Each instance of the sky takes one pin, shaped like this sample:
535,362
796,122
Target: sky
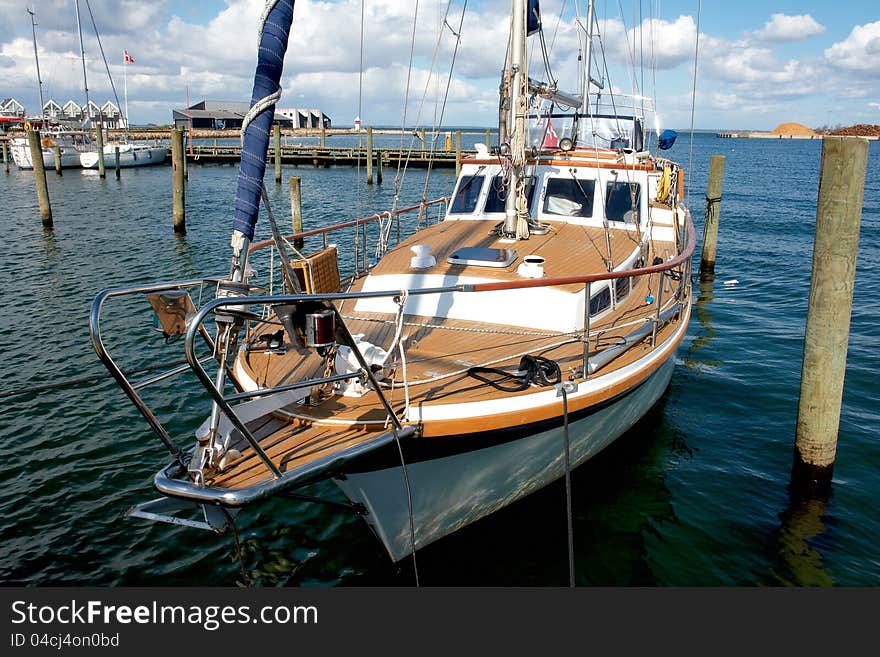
759,63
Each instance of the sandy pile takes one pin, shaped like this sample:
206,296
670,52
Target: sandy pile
792,129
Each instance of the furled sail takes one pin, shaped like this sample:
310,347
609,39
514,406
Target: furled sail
274,31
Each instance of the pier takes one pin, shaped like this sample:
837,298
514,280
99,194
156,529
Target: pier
325,157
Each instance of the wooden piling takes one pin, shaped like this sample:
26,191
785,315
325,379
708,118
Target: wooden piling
835,249
296,214
710,224
457,153
277,131
5,158
447,145
423,136
40,178
56,152
177,186
185,138
488,138
99,138
116,161
323,135
369,155
379,166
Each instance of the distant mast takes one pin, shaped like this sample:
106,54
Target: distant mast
37,59
82,49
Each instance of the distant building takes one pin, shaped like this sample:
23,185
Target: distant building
11,108
228,115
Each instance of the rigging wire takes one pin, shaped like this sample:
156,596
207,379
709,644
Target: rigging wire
106,66
693,103
446,92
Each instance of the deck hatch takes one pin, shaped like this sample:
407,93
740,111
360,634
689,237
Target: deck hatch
482,256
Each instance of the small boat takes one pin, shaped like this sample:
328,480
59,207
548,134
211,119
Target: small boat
466,362
131,154
71,142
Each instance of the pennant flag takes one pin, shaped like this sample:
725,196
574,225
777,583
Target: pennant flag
128,58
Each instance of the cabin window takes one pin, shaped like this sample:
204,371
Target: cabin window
569,197
465,200
600,301
621,288
622,201
497,197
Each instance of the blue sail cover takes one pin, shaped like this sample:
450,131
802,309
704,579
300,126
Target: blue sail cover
267,80
533,18
667,139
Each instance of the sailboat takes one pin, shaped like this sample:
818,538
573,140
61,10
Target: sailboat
131,153
457,370
69,140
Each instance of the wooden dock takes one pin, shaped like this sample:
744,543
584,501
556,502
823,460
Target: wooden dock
326,157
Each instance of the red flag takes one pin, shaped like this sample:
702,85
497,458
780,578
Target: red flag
551,139
128,58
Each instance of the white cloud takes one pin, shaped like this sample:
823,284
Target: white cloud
782,27
859,51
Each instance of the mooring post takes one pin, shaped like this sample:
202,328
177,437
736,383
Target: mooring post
99,137
370,155
835,250
423,136
178,189
488,138
447,143
323,135
116,161
296,212
457,153
183,148
5,158
56,153
277,131
40,178
379,166
710,223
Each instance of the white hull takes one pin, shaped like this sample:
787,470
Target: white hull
130,155
21,155
449,493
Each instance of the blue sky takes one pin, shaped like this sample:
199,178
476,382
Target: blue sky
760,64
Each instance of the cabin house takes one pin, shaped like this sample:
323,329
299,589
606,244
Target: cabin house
53,110
10,107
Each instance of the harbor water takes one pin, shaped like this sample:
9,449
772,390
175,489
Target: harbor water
694,495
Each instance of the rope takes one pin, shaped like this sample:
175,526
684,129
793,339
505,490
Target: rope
87,379
238,550
412,527
568,512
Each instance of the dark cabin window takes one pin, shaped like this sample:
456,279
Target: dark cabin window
466,195
497,197
620,198
569,197
600,301
621,288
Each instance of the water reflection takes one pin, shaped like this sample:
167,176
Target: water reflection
802,527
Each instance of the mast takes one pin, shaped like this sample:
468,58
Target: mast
587,55
513,219
37,58
83,51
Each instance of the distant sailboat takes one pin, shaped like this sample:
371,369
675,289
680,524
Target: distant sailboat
131,153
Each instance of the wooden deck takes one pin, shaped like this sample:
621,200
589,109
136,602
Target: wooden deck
439,352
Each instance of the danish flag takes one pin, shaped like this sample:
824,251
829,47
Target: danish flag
128,58
551,139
